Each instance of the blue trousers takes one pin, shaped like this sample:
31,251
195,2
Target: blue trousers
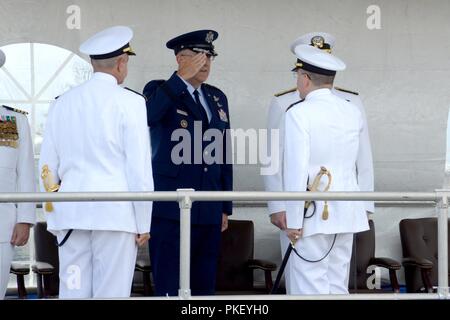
165,257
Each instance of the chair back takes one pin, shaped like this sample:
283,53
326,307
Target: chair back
237,245
363,251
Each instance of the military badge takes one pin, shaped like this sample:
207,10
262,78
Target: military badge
184,124
318,42
216,99
9,134
183,113
223,116
209,37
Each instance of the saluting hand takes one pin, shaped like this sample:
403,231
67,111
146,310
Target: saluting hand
141,239
189,66
20,234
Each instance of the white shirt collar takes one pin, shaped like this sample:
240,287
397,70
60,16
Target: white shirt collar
190,88
318,92
104,77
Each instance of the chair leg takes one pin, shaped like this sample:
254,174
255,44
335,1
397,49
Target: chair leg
394,281
21,286
426,280
46,285
147,284
268,279
40,288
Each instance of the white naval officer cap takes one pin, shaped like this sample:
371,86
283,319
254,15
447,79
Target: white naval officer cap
109,43
321,40
317,61
2,58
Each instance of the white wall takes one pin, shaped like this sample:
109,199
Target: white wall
401,70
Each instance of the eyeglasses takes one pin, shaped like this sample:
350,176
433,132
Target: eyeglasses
208,56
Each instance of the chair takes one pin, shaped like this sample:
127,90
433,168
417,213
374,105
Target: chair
143,266
236,263
20,270
363,256
46,266
420,253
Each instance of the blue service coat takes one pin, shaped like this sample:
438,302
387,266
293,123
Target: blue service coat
170,107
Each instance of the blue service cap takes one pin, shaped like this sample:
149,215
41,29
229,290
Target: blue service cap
197,41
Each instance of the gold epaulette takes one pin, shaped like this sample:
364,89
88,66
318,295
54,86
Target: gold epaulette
348,91
279,94
16,110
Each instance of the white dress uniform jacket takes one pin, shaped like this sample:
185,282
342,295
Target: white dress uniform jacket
97,140
16,175
275,121
324,130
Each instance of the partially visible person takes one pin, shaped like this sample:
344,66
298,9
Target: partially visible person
16,175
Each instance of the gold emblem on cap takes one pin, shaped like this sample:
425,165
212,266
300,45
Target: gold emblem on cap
184,124
318,41
209,37
128,50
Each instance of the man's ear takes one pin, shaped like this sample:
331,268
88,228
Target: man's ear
121,62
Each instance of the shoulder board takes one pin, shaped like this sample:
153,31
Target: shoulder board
279,94
140,94
348,91
294,104
16,110
208,86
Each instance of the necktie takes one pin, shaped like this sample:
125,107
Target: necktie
200,106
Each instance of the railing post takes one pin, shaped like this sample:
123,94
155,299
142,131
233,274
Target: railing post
442,208
185,242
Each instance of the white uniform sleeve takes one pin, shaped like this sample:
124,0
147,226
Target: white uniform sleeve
138,161
364,162
49,156
273,177
296,164
25,172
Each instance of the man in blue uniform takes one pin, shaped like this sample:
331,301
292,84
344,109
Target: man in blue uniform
185,106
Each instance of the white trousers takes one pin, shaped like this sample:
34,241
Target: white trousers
329,276
96,264
6,255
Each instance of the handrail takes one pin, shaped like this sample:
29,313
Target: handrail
185,198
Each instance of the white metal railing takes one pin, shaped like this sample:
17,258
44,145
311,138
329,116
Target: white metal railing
185,198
